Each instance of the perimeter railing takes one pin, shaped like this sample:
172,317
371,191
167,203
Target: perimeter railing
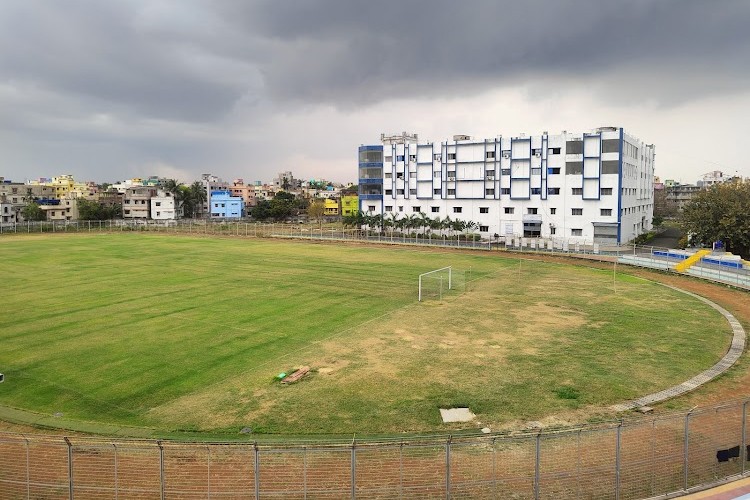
645,457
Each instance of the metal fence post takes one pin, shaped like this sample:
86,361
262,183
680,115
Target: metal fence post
117,479
28,470
743,447
70,467
536,465
617,461
161,470
354,468
448,468
256,468
687,450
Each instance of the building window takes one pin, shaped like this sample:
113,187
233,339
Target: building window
553,170
416,209
509,210
436,191
504,190
536,152
532,211
484,210
536,171
552,211
577,211
388,175
389,192
457,210
413,191
552,230
158,214
399,157
451,192
505,171
389,159
553,151
389,208
490,155
489,192
400,208
436,157
371,208
553,190
451,174
605,191
484,229
605,212
436,175
576,232
578,191
435,210
399,191
451,156
490,174
399,175
536,190
413,175
412,157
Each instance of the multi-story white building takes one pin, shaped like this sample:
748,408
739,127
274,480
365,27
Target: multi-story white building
163,206
595,186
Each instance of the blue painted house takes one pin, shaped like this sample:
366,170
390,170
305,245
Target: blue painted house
225,206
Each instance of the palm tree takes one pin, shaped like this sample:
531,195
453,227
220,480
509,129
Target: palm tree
424,221
447,223
198,197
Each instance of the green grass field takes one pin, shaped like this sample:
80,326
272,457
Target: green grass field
185,333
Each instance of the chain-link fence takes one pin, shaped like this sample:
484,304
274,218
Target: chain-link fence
646,457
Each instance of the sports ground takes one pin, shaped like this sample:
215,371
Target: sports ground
180,333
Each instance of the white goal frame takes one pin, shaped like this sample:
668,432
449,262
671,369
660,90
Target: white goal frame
450,279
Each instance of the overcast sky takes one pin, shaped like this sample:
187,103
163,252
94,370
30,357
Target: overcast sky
109,90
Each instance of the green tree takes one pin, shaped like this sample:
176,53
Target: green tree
316,209
89,210
720,213
33,212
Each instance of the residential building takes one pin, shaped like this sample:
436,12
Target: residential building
136,202
710,178
349,204
285,181
65,209
246,192
9,213
211,183
226,206
680,194
330,206
163,206
595,186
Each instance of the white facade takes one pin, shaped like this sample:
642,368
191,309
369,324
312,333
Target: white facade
595,186
163,206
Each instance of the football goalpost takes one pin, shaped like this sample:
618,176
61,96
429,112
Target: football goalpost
437,279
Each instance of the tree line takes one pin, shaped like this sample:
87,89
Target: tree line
419,222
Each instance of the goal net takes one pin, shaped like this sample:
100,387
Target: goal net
441,282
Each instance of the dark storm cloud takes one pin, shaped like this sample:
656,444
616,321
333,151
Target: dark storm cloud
109,54
362,51
195,82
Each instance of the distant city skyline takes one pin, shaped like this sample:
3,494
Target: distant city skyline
108,91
